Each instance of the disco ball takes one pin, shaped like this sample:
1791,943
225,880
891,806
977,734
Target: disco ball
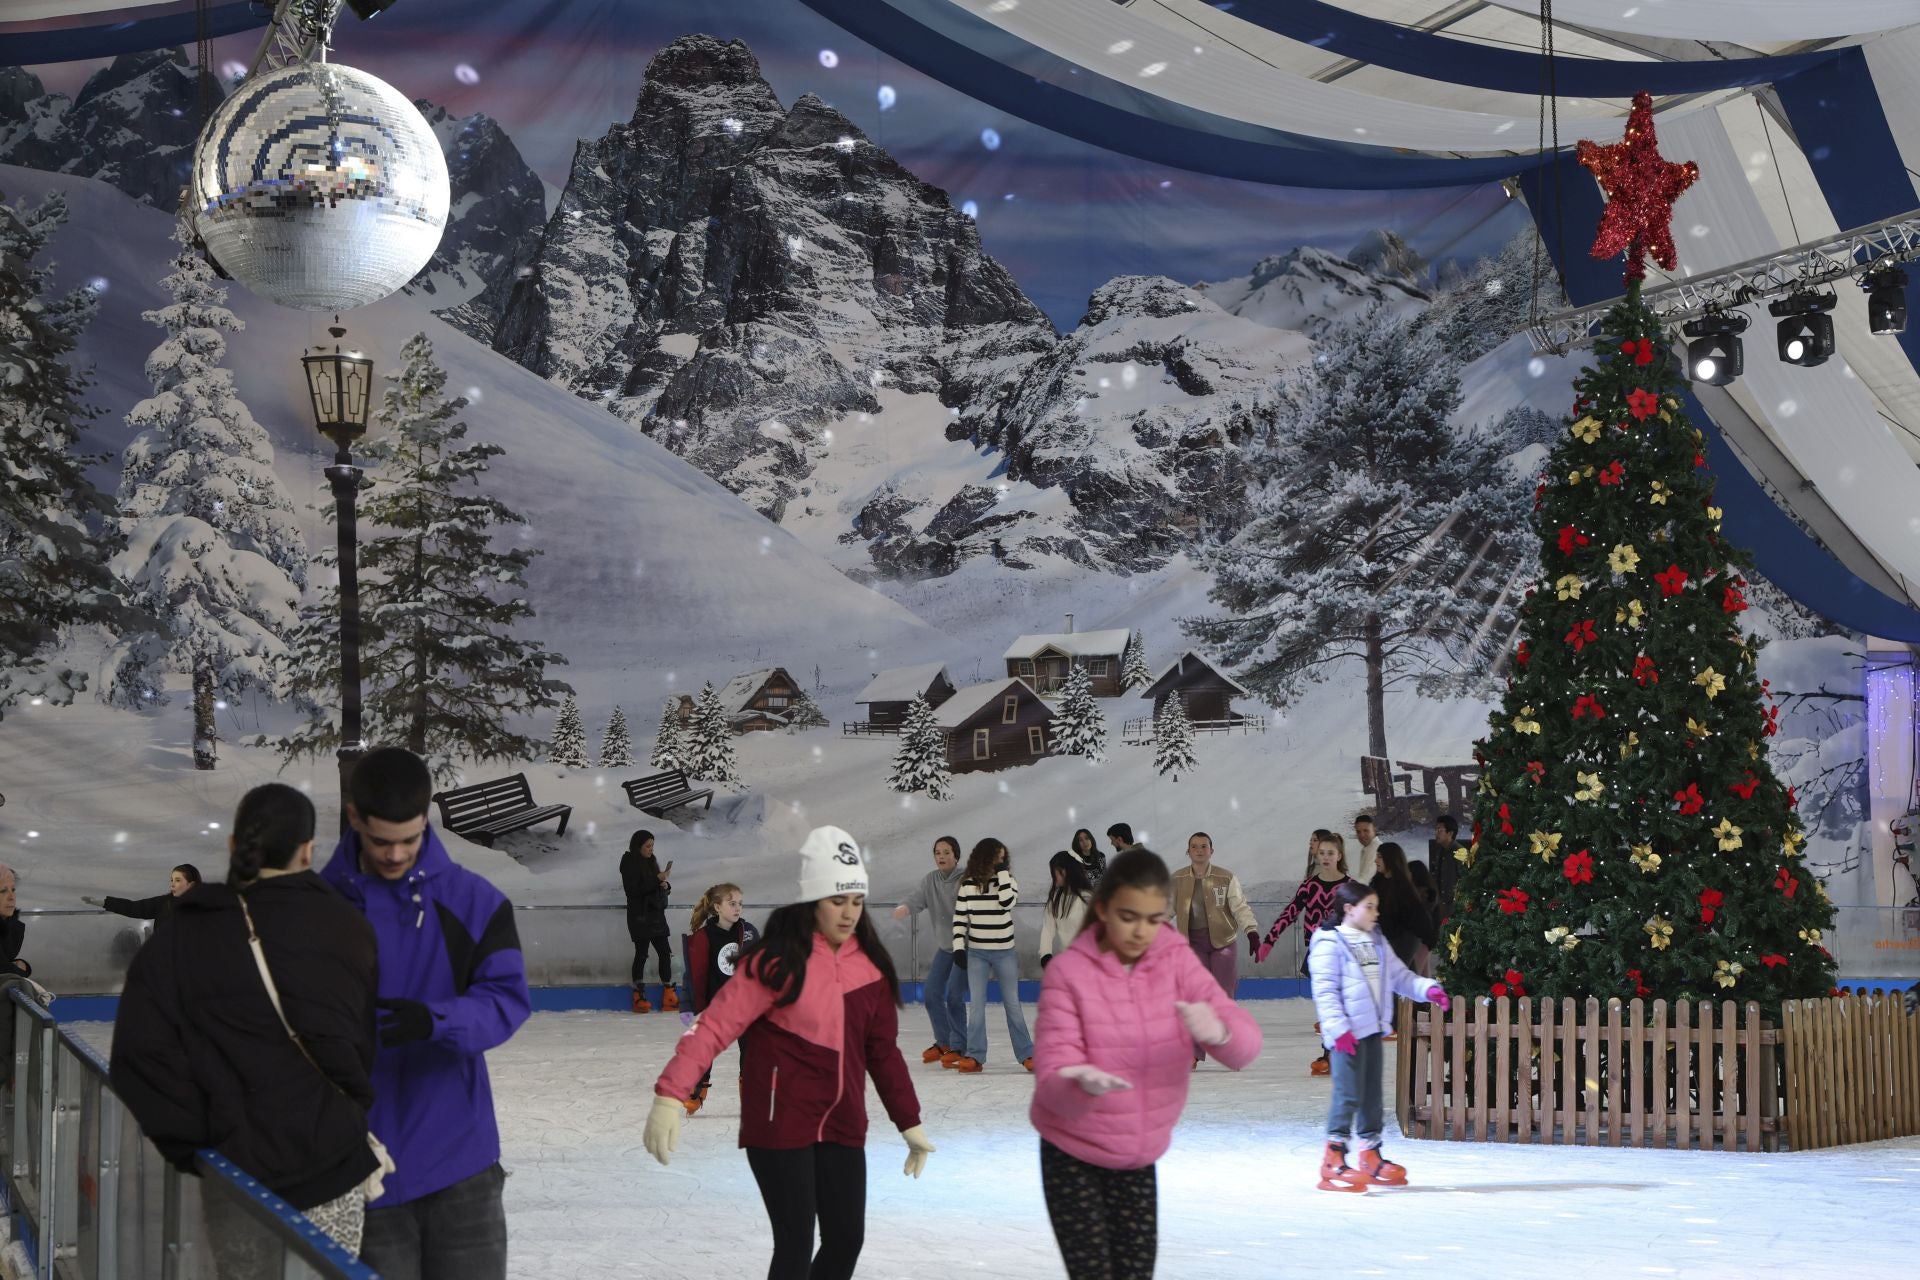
319,187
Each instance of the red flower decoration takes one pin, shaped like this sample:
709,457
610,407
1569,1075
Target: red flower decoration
1506,821
1581,635
1578,868
1539,491
1514,901
1786,882
1588,705
1513,986
1733,601
1521,655
1571,538
1793,799
1612,473
1710,902
1691,801
1672,580
1536,772
1699,460
1772,725
1773,961
1643,404
1644,672
1745,789
1640,988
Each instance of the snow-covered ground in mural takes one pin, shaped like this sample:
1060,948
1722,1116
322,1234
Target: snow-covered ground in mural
654,579
1236,1193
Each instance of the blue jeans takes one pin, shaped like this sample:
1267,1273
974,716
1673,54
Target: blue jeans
1356,1094
1004,967
945,995
457,1233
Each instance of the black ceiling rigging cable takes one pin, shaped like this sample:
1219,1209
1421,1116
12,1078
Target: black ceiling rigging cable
1549,132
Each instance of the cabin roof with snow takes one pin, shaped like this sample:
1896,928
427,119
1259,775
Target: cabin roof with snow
1186,665
1075,644
739,691
971,701
903,684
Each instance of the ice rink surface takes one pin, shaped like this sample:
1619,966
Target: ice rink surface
1237,1196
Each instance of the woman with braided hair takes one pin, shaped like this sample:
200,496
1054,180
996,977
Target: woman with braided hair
202,1050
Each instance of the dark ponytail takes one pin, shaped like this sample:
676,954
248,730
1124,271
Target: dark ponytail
269,827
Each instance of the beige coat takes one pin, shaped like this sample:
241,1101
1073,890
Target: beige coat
1226,906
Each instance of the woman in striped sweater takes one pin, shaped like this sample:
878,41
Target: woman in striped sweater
983,929
1312,902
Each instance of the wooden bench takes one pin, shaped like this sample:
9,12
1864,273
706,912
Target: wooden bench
1392,809
1459,780
658,792
487,810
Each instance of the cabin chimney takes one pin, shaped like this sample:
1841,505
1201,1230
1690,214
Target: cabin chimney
1069,624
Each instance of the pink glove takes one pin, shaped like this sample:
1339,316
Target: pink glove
1260,956
1203,1024
1346,1043
1093,1079
1437,996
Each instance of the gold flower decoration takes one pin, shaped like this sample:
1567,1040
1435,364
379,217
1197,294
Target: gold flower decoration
1659,933
1623,559
1727,972
1525,723
1590,786
1633,740
1453,946
1569,586
1632,614
1659,494
1697,729
1712,681
1727,834
1644,858
1586,430
1545,845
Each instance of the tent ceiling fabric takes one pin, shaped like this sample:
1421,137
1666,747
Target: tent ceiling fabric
1209,74
1785,20
32,10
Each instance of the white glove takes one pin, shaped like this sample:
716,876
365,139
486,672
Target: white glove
1092,1079
1203,1024
919,1147
662,1137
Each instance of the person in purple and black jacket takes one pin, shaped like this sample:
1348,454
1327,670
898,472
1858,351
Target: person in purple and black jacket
453,985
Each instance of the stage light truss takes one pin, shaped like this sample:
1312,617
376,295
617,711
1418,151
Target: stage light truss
290,36
1850,255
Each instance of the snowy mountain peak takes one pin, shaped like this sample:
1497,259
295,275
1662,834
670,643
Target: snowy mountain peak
1306,289
132,124
497,207
1142,296
1386,255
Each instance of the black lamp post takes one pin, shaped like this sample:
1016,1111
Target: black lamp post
340,385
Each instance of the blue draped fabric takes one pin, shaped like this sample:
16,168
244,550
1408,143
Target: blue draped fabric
1438,57
71,44
1781,549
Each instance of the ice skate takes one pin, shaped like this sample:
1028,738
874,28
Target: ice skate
950,1057
967,1066
692,1104
1375,1167
1321,1067
1335,1174
640,1004
934,1053
1028,1064
669,1000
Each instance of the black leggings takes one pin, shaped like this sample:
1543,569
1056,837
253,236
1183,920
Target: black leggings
662,950
1106,1221
825,1181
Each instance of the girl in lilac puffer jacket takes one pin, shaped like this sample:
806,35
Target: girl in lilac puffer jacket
1120,1011
1356,976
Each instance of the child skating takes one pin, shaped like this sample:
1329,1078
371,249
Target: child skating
1355,978
1120,1011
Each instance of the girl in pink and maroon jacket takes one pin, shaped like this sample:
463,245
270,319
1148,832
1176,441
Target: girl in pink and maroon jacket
815,1009
1120,1011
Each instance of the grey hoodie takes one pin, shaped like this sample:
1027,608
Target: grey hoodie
935,896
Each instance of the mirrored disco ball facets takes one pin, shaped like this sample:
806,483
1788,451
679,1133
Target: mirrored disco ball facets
319,187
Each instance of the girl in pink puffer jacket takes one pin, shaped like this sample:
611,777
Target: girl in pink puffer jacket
1120,1010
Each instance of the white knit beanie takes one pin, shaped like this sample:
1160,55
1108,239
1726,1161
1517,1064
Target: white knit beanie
830,865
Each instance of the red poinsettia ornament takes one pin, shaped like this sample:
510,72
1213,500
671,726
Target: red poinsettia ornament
1745,787
1614,472
1578,868
1514,985
1711,901
1786,882
1588,705
1514,901
1644,672
1641,403
1570,538
1691,801
1672,580
1581,635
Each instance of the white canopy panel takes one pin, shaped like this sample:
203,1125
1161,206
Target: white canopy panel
1743,20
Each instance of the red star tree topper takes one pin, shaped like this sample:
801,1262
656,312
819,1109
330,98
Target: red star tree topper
1641,186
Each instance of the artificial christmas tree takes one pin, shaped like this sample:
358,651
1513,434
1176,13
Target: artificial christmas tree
921,762
709,748
616,745
1080,729
669,742
213,550
569,736
1631,838
1134,673
1173,741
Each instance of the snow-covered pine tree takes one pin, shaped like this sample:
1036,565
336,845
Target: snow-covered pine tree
445,659
213,551
616,745
710,742
1374,510
54,532
1173,740
569,736
669,742
1080,727
1134,672
804,712
1498,298
921,762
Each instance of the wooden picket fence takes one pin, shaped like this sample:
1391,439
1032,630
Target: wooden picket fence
1696,1074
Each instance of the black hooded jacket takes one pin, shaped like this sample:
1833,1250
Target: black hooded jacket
200,1057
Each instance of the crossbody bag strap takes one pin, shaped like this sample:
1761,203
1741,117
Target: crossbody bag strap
273,992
